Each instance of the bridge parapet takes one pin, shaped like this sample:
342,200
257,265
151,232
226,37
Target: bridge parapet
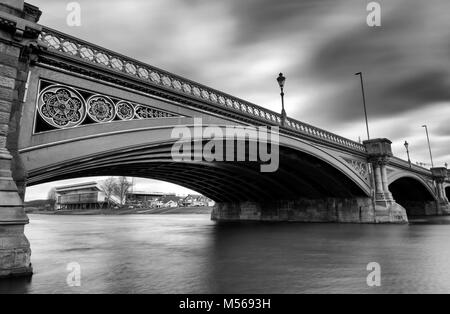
403,164
85,52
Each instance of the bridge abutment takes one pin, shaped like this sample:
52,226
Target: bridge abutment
18,31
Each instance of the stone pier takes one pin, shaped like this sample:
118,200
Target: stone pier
385,207
18,34
439,177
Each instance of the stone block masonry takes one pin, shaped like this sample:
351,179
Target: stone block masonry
344,210
15,249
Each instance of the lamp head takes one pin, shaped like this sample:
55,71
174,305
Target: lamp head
281,79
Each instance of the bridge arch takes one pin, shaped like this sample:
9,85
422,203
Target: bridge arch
414,194
306,170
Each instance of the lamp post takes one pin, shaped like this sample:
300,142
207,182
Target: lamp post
281,79
364,103
429,145
407,152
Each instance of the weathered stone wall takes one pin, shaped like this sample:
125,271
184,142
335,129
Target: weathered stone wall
14,247
16,36
18,171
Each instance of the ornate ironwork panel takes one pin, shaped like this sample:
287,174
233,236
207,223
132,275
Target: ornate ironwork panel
360,167
101,109
61,106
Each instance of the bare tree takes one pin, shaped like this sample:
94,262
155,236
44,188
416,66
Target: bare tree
52,198
122,188
109,187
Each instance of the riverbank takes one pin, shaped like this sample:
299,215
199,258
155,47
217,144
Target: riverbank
136,211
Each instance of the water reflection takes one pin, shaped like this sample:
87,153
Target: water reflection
191,254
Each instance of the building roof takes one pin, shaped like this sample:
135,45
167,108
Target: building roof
86,185
171,201
169,197
196,197
79,186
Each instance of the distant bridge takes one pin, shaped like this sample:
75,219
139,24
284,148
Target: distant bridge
72,109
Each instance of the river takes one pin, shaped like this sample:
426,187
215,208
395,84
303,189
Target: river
191,254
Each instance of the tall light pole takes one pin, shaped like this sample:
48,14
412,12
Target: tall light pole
364,103
132,188
429,145
281,79
407,152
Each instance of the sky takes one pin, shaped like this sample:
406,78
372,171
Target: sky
239,47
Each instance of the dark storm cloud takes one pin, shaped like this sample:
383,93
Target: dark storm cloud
268,19
424,87
405,62
443,129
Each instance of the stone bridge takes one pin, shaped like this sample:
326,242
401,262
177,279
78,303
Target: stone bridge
70,109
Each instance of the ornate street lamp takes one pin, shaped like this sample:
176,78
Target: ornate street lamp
407,152
281,80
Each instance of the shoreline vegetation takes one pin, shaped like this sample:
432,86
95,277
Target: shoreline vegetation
116,212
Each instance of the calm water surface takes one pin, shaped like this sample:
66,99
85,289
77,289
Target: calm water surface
191,254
